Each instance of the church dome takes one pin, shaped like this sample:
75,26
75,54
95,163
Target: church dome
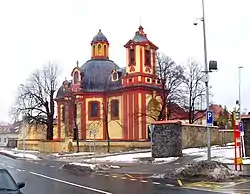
97,75
99,38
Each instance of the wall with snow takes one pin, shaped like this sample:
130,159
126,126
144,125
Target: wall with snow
170,137
167,141
246,124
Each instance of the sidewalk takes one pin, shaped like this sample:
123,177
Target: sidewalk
149,169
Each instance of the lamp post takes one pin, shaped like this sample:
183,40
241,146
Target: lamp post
206,78
239,103
239,76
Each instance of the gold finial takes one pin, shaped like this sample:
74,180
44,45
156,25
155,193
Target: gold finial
77,63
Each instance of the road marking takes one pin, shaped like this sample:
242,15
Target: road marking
144,181
124,178
114,176
129,175
9,166
36,162
52,166
155,183
133,179
19,170
70,183
2,164
106,174
169,185
234,184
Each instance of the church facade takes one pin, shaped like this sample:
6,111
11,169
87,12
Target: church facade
104,99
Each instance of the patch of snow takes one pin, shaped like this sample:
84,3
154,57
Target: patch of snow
20,155
220,154
115,167
91,166
72,154
27,151
131,158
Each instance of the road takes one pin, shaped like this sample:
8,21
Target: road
46,177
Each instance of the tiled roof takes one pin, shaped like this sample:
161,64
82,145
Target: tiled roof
10,128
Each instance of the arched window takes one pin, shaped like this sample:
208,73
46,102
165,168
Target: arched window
93,51
105,51
76,77
99,49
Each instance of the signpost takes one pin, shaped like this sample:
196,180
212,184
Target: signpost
151,128
94,132
209,123
241,129
210,118
237,141
23,135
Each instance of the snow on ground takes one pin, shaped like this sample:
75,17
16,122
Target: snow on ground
27,151
221,154
92,166
19,154
72,154
131,158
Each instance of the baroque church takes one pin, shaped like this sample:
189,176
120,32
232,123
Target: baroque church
108,99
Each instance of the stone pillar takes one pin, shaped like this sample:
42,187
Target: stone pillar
167,139
246,124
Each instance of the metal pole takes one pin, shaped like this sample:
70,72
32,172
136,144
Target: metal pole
23,134
241,136
94,150
206,81
239,68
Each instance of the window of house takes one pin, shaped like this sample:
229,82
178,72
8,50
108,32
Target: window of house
99,49
63,114
5,140
75,110
76,77
94,109
147,57
115,76
93,50
115,109
132,56
105,50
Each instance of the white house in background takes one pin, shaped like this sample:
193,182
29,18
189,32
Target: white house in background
9,134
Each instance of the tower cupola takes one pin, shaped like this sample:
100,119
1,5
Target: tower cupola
100,46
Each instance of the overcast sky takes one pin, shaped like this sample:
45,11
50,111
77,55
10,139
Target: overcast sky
35,31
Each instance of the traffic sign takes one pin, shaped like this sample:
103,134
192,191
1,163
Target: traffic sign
209,118
241,126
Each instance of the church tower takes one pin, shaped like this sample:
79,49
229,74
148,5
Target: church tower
140,60
100,46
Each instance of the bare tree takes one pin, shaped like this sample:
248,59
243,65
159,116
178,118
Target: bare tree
171,76
35,98
194,91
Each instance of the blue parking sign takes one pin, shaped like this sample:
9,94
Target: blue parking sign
241,128
209,118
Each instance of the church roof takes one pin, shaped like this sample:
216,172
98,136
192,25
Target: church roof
99,38
97,75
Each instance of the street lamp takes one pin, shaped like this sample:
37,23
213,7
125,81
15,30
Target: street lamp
239,76
212,66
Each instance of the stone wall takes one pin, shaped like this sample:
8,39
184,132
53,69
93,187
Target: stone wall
170,137
246,124
166,140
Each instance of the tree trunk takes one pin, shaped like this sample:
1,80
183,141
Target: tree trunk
49,135
107,130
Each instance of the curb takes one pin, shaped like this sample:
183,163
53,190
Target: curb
102,156
8,155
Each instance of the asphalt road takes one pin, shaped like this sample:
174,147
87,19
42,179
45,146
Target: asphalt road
46,177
